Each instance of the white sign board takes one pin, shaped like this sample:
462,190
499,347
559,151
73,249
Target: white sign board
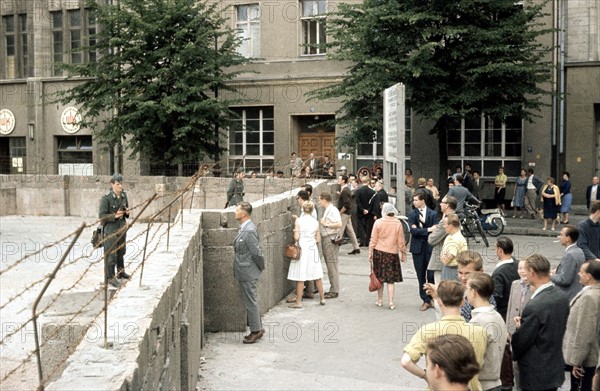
394,130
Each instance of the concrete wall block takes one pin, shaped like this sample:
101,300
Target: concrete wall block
8,201
218,237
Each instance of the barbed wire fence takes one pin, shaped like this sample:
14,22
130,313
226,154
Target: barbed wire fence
154,238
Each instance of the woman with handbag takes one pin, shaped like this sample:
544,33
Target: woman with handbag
386,250
308,267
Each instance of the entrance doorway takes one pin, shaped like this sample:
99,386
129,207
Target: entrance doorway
315,137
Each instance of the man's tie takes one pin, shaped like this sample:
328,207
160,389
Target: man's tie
422,215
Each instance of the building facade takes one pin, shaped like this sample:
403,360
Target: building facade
39,136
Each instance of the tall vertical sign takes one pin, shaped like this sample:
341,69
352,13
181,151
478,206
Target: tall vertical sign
394,129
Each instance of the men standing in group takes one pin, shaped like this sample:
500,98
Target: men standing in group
461,193
581,345
450,297
235,191
537,342
345,208
420,220
565,275
295,165
330,224
504,274
592,193
247,267
480,288
436,237
113,212
532,187
363,196
589,234
378,199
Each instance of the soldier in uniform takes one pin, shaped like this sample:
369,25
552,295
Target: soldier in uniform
235,191
113,212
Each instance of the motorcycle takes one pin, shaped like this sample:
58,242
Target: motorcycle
492,221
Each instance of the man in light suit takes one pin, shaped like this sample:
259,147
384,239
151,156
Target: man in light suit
420,220
580,346
565,275
478,185
249,263
537,342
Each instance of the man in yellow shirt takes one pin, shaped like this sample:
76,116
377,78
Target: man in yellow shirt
450,298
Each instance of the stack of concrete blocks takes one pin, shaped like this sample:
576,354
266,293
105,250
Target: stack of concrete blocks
223,308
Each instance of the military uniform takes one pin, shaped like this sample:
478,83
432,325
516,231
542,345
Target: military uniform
235,192
109,205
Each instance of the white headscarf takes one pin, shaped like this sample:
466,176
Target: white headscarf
389,209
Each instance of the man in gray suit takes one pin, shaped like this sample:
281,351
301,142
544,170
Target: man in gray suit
249,263
581,345
537,342
565,275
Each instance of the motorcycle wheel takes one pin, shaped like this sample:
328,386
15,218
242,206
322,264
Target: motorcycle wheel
496,227
482,233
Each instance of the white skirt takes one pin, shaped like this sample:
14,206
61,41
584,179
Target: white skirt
309,266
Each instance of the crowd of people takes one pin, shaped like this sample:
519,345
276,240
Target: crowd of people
523,325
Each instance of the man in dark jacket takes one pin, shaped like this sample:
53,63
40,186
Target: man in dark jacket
113,212
363,211
345,207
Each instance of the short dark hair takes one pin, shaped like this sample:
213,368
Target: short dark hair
567,174
466,257
476,172
459,179
309,189
419,194
279,172
593,268
451,293
451,201
530,171
303,194
344,178
595,207
481,283
455,355
538,264
572,233
505,244
246,207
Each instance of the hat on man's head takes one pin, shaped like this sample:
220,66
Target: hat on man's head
116,178
240,169
343,168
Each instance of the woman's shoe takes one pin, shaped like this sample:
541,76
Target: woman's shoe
543,229
295,305
392,306
379,303
322,301
514,216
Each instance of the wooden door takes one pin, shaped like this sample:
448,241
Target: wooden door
321,144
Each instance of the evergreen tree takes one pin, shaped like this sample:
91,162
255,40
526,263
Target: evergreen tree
160,65
457,58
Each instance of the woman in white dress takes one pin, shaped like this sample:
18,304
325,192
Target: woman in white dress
308,267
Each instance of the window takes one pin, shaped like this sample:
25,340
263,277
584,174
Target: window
313,26
72,30
75,149
252,139
15,45
486,143
248,26
13,151
367,152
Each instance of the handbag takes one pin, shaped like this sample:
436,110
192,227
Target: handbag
338,240
97,237
293,251
374,284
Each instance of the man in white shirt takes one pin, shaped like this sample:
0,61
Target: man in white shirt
330,224
480,288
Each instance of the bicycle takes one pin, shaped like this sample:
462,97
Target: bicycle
471,224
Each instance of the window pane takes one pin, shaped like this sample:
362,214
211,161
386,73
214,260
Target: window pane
57,19
472,150
473,123
453,149
513,150
490,167
75,18
268,124
253,149
473,136
253,137
512,168
238,149
268,137
269,149
513,135
365,149
10,45
252,125
9,24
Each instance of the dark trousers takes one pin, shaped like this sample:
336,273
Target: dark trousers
421,261
115,258
365,227
584,383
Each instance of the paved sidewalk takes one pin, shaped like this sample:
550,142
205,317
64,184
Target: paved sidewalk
348,344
